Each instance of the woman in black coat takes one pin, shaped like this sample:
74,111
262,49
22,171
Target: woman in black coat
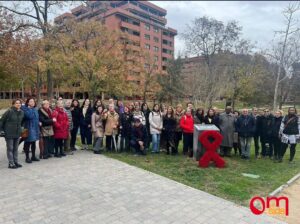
275,141
145,109
126,120
76,115
86,124
210,117
169,126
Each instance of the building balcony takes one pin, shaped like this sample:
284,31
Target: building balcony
133,7
129,26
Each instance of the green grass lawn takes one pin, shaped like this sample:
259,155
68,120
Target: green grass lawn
227,183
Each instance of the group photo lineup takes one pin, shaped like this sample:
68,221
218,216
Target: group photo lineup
140,112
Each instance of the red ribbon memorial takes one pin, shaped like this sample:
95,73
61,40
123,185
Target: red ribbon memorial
211,140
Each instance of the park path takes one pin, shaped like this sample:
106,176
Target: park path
293,193
87,188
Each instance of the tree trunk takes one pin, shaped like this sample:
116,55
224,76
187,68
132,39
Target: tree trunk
281,62
49,85
38,82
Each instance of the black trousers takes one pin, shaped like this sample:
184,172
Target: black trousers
59,146
134,144
266,146
27,146
178,138
74,132
48,145
109,142
284,147
256,145
188,143
276,143
86,135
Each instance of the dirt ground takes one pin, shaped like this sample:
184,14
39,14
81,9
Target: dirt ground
293,194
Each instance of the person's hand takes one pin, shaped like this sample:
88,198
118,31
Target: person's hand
72,108
54,119
141,143
40,124
89,126
114,126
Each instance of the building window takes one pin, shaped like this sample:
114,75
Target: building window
156,30
147,36
155,58
156,49
147,26
147,66
156,39
165,33
164,68
165,59
147,46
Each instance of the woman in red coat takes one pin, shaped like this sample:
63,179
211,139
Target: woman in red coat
60,128
187,126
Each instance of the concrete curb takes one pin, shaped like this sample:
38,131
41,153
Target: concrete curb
282,187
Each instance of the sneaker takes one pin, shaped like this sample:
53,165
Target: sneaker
57,156
62,154
291,162
97,152
18,165
34,159
28,160
12,166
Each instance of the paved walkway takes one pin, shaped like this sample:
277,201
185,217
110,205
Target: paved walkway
293,193
88,188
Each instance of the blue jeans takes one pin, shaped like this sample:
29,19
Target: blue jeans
245,146
155,142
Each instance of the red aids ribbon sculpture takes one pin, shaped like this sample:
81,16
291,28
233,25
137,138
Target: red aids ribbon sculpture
211,147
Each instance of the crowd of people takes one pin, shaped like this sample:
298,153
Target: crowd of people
133,127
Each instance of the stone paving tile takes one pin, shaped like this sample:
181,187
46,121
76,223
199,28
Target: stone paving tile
88,188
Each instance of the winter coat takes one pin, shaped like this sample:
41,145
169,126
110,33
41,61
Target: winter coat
276,126
291,127
198,119
97,125
112,119
31,122
257,120
187,124
210,120
169,124
47,122
126,120
266,126
76,115
69,113
245,126
86,120
11,123
156,122
227,129
61,126
139,133
178,116
140,115
147,113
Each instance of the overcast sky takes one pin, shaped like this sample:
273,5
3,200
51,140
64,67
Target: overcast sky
259,19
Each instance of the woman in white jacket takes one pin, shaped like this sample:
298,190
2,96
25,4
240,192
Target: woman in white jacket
156,125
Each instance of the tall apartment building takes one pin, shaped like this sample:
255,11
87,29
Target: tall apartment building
144,22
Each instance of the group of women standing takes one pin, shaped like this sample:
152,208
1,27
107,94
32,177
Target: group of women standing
56,128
